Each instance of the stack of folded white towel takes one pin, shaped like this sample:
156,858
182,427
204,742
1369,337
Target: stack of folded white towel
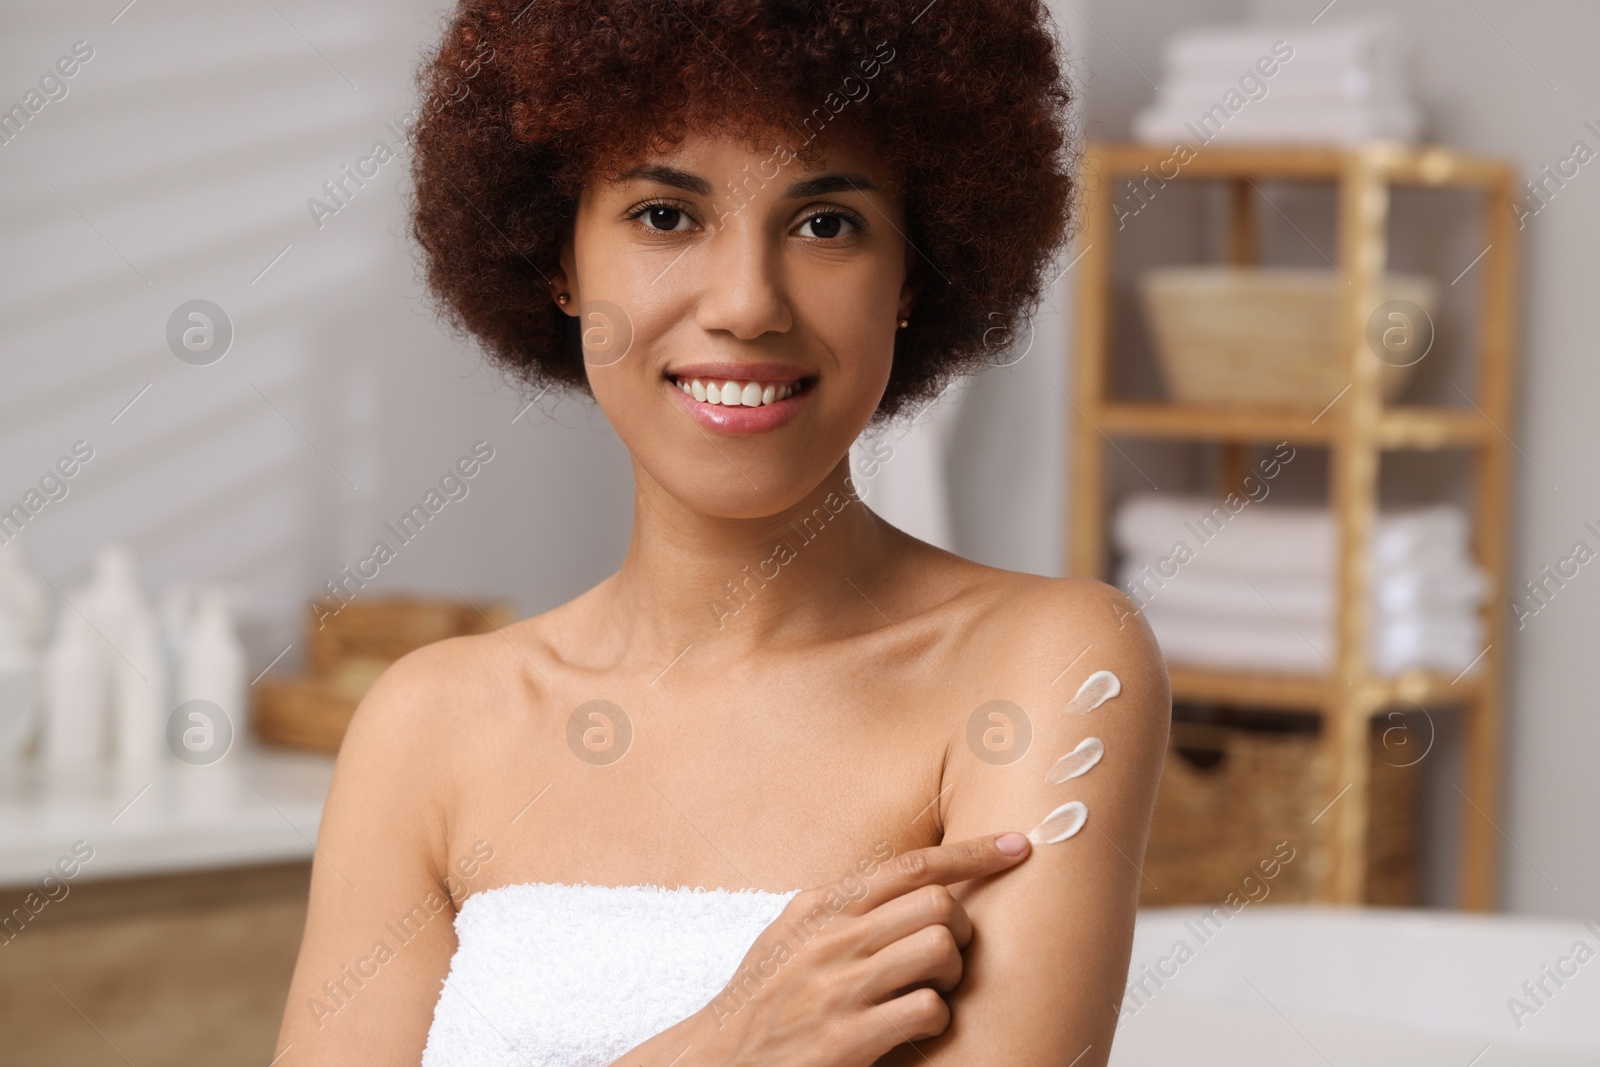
1257,588
1343,83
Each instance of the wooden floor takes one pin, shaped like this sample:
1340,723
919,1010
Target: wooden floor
176,970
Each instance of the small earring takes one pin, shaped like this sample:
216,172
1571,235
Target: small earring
563,299
904,323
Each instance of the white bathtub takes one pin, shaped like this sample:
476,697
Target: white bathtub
1285,986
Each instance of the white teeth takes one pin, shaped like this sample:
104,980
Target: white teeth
737,393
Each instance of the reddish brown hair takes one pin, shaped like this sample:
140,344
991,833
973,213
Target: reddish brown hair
966,99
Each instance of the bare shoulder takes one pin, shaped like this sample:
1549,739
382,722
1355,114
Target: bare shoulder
1069,744
395,755
384,849
1047,635
430,717
1082,661
385,845
438,689
1032,644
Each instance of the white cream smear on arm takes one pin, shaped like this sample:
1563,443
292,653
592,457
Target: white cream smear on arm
1076,762
1060,824
1069,818
1096,689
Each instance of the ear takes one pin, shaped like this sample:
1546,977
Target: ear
564,278
910,288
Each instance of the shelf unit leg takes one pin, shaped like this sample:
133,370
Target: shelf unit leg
1481,789
1243,228
1086,534
1363,218
1348,731
1243,242
1235,466
1480,846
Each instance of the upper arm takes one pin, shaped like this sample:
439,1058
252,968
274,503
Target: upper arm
379,930
1049,957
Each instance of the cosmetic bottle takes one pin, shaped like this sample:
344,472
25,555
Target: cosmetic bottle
213,670
214,658
139,685
74,696
23,592
19,666
176,620
113,594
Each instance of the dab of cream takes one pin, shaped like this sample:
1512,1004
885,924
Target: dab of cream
1060,824
1076,762
1096,689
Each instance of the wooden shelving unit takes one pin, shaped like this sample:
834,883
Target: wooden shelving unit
1356,430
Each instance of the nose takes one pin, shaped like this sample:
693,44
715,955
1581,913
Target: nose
743,291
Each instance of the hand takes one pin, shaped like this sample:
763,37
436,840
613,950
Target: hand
851,969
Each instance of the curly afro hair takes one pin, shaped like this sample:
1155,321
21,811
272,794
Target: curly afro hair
524,101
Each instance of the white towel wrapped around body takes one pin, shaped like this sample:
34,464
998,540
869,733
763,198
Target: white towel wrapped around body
559,975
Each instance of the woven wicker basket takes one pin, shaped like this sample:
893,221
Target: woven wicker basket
1267,336
1230,794
389,628
349,648
303,712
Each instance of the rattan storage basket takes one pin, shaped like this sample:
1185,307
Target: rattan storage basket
388,628
349,646
1230,794
1271,336
303,712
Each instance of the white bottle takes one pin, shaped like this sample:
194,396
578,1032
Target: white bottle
19,668
213,670
214,659
140,691
23,593
112,595
177,619
74,696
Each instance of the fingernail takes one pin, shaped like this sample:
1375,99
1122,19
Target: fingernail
1011,844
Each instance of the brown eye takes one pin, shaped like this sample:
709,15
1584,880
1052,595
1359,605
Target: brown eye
826,226
663,218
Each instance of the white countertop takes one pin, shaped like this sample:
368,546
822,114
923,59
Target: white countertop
255,805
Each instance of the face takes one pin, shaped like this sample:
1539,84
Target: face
739,313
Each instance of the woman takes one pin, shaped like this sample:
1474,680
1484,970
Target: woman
757,797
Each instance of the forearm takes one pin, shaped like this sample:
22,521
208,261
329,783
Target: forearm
694,1042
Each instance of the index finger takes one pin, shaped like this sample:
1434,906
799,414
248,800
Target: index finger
947,864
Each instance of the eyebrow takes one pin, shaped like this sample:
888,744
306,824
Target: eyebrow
682,179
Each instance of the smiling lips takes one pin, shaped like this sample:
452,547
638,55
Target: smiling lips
737,404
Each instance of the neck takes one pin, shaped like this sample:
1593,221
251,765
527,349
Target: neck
798,577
